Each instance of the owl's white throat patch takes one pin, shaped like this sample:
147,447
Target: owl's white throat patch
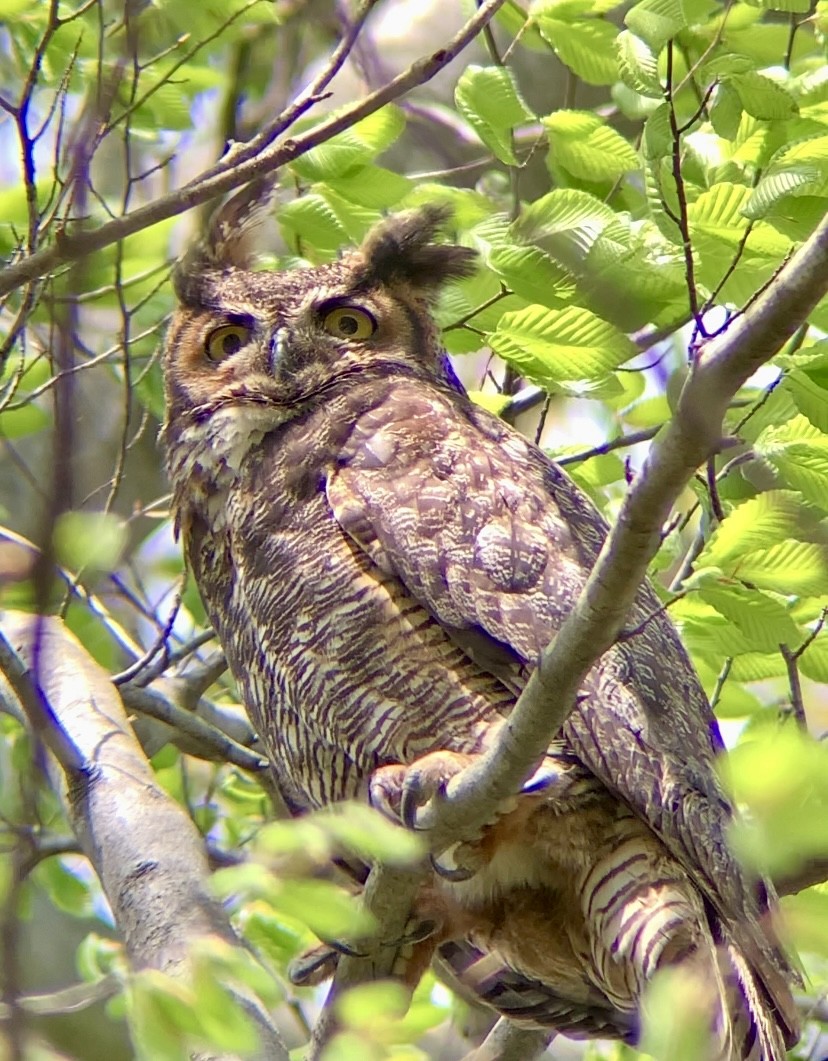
209,454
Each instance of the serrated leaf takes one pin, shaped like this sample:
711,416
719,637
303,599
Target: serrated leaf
726,111
587,47
757,666
719,211
372,186
810,392
789,567
799,452
638,65
802,179
656,21
532,274
657,141
814,660
352,149
489,99
762,97
583,145
764,622
550,346
768,517
562,210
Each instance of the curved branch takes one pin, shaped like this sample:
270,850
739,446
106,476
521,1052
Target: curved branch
228,175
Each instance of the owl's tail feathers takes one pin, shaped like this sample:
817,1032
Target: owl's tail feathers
643,915
484,977
760,1030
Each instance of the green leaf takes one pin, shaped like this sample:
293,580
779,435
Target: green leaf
799,452
372,187
656,21
814,660
769,517
762,97
726,111
764,622
549,346
352,149
27,420
583,145
718,212
86,540
784,783
802,179
638,65
360,1007
675,1021
532,274
810,392
328,911
489,99
789,567
370,835
567,221
586,47
658,134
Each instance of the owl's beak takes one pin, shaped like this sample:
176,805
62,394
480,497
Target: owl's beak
278,345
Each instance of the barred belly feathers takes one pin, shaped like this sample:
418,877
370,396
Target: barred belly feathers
383,561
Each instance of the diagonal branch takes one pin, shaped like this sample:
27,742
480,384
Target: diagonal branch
688,440
218,181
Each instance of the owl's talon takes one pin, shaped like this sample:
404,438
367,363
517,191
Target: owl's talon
421,931
345,948
453,874
415,794
313,967
544,777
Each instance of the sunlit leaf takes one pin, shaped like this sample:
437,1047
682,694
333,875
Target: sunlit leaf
489,99
587,47
582,144
549,346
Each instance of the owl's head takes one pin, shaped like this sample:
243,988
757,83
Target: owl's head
269,341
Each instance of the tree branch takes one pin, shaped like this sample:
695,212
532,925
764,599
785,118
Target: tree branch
225,177
689,439
146,851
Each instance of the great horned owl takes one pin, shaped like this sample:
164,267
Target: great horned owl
383,562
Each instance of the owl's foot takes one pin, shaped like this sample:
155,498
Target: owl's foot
399,791
318,964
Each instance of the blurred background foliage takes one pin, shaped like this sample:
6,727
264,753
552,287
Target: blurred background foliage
631,175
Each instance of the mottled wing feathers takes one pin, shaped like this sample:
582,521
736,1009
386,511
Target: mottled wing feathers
497,543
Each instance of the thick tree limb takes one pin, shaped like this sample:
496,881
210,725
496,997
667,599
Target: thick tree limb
228,175
147,853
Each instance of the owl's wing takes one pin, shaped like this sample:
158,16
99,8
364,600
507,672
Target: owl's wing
496,542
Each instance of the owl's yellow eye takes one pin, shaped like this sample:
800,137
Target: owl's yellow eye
227,340
348,322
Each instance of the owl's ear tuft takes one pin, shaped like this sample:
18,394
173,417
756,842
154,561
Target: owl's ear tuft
228,242
401,250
